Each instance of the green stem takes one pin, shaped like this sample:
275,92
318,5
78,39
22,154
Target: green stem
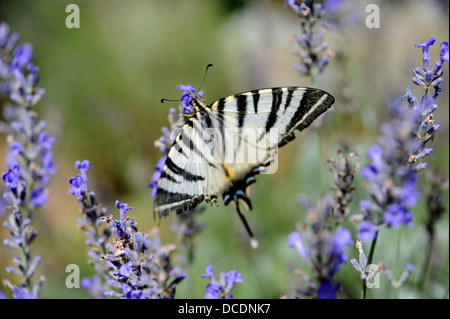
369,261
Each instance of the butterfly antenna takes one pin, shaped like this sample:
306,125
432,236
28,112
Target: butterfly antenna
169,100
204,77
253,241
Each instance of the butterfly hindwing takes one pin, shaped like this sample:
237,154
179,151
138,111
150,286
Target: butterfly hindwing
220,144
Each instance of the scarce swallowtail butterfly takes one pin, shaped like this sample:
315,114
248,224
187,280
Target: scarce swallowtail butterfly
221,147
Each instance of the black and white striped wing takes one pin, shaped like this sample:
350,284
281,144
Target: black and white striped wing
190,174
222,143
256,123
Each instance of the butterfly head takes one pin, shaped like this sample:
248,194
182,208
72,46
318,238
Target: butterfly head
197,105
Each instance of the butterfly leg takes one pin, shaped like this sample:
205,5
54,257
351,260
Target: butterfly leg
253,241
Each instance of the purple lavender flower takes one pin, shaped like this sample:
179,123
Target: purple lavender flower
123,208
21,56
29,160
425,47
129,293
444,56
83,167
38,197
221,289
327,290
45,140
15,148
157,175
12,177
77,185
341,239
295,241
397,214
367,231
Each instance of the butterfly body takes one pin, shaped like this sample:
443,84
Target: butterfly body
222,146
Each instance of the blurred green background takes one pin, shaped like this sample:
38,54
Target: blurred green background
104,82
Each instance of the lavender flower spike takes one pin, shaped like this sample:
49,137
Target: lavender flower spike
29,162
92,216
313,52
141,265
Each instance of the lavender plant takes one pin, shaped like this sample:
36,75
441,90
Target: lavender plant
136,265
313,52
321,247
344,171
427,78
321,244
394,159
29,161
186,225
221,289
91,223
401,144
141,265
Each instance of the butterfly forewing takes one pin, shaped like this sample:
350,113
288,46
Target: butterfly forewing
220,144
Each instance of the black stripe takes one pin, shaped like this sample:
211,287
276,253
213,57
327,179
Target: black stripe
241,104
327,103
255,95
220,118
277,94
220,108
169,178
309,99
180,171
289,97
207,120
241,101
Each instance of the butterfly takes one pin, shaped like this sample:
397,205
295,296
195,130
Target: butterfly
221,147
